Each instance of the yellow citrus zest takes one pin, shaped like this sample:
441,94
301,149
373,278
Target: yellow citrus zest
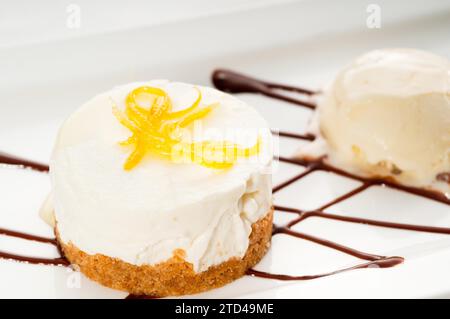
155,130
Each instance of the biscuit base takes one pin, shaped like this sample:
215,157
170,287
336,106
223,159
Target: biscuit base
172,277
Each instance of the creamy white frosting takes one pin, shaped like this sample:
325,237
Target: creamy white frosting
141,216
388,114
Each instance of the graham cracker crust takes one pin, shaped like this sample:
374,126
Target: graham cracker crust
175,276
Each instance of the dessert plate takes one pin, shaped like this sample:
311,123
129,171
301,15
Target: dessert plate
43,83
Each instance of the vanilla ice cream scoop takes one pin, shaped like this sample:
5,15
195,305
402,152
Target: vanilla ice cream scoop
388,115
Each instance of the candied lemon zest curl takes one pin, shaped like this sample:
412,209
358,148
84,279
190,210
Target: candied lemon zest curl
155,130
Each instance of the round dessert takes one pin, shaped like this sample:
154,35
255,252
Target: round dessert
388,115
163,188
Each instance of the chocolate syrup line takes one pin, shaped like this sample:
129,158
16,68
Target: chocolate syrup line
61,261
232,82
26,236
380,263
289,99
237,83
307,137
341,198
6,158
372,222
288,209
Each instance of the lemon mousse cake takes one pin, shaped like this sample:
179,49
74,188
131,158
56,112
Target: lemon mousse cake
387,115
162,188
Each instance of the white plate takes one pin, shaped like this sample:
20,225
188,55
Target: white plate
290,43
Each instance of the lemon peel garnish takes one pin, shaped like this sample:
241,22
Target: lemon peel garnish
155,130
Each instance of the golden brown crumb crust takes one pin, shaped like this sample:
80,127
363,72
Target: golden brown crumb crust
174,276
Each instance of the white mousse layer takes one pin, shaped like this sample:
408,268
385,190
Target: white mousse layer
141,216
388,114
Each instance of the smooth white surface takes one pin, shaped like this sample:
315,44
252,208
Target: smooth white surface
58,77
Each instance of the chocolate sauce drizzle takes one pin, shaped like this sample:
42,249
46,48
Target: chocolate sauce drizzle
237,83
60,261
9,159
233,82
